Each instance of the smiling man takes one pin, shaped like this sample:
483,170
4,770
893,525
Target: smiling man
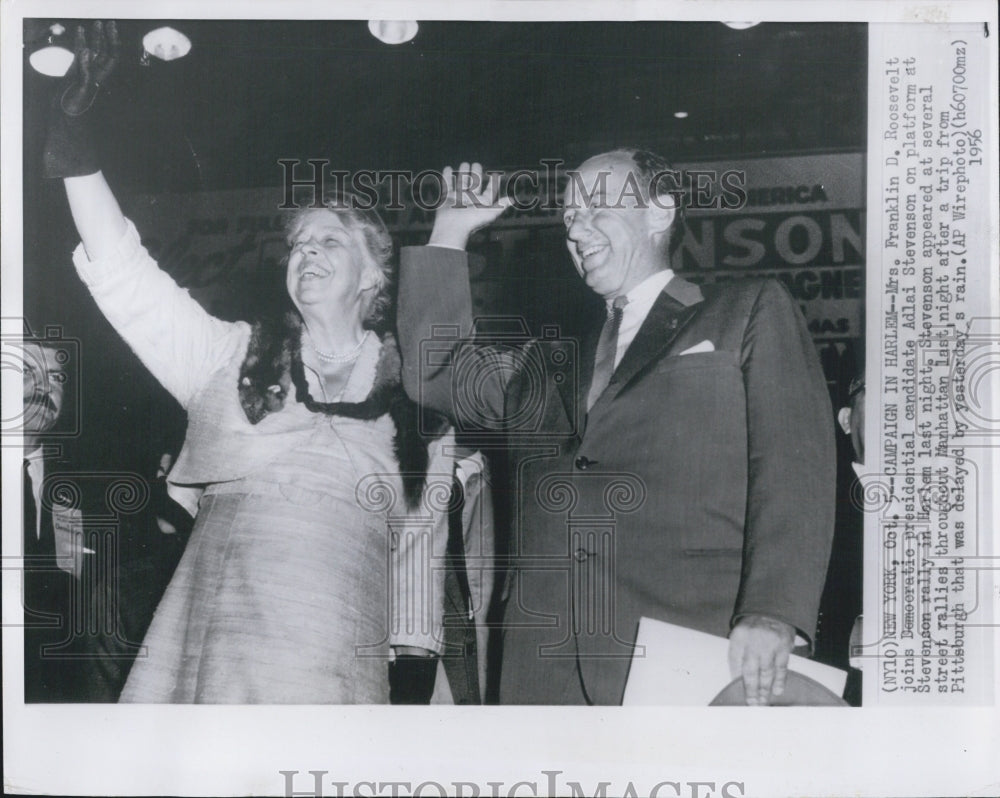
683,470
52,533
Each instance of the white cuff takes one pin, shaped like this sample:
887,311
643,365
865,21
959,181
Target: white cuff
93,272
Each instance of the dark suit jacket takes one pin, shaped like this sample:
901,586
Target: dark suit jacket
699,488
94,624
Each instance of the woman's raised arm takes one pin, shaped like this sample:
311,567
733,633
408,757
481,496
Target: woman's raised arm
69,147
175,338
96,214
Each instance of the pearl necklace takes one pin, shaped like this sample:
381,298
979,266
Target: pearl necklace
333,357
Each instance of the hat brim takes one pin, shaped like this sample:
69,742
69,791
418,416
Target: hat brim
800,691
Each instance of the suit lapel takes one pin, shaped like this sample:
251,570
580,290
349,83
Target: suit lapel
673,309
573,392
588,351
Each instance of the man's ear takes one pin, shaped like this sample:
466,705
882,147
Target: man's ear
844,419
661,213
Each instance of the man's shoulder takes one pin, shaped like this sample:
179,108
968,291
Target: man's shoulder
747,292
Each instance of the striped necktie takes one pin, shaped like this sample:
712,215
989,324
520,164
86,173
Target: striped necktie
607,348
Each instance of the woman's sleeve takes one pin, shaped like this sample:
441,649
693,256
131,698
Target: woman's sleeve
418,557
174,337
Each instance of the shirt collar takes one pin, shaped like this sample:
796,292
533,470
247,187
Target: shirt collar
642,296
35,462
35,455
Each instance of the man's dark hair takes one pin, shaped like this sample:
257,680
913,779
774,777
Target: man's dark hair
650,171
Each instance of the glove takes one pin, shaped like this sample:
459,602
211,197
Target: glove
70,149
69,145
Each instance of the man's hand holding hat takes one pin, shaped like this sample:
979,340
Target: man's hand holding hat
759,648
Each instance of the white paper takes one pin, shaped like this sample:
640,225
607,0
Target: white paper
677,666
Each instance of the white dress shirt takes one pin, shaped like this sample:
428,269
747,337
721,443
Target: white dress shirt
640,301
36,474
67,522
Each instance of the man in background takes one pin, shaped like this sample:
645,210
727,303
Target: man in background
100,542
52,534
840,608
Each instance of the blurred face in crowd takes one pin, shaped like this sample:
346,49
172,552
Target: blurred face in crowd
611,232
852,422
44,387
329,265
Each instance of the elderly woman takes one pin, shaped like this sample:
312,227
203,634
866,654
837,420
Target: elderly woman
305,450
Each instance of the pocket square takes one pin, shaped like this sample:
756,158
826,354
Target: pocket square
704,346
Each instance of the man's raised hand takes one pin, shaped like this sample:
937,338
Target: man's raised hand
470,201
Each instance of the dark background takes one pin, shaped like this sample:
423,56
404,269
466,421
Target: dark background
506,94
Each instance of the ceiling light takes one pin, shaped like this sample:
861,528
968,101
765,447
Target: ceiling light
392,31
53,54
740,25
166,44
680,114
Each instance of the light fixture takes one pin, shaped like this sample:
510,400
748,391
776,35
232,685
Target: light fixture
740,25
392,31
164,43
53,54
680,114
